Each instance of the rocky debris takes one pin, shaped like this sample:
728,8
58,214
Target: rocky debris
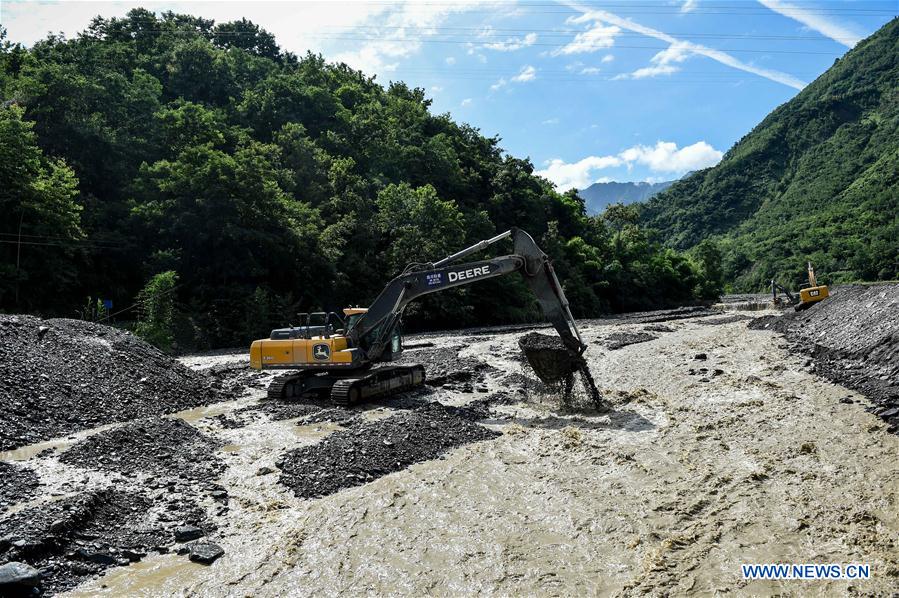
59,376
237,378
17,483
336,415
617,340
159,446
187,533
205,553
853,338
444,367
730,319
657,328
354,457
651,317
281,410
76,538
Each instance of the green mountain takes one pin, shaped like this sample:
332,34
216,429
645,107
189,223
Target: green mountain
817,180
598,196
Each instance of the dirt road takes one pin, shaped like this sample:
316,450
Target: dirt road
721,449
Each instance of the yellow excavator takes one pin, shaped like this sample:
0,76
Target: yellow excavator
337,356
809,294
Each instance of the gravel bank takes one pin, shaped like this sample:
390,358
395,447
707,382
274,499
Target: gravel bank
159,446
17,483
355,457
60,376
854,339
76,538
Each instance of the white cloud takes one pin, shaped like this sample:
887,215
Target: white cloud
550,121
436,88
666,157
527,73
662,63
450,60
466,102
513,43
591,70
608,58
577,175
601,18
815,21
663,157
595,38
689,5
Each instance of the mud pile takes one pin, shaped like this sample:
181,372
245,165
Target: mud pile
617,340
75,538
447,369
17,483
161,447
371,450
854,339
60,376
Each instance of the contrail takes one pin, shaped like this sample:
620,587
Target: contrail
722,57
834,31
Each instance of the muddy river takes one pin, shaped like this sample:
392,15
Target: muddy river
720,449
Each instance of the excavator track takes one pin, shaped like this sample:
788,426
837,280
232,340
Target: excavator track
287,386
376,384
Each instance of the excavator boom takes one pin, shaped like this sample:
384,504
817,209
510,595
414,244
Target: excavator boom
372,331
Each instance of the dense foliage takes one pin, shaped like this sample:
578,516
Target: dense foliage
154,149
817,180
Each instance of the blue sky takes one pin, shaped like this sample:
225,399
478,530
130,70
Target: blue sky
625,90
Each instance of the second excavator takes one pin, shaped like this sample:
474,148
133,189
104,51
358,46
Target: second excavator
335,356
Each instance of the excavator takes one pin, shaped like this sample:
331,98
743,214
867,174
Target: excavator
809,294
327,354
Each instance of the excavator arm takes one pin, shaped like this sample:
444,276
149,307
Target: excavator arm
372,332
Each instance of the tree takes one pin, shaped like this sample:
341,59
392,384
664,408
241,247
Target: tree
40,234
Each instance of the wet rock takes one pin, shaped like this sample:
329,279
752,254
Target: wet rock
205,553
374,449
18,574
264,471
187,533
60,376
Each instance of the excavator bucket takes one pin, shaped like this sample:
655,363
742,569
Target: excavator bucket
551,360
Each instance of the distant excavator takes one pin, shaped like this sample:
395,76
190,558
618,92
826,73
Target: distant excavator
330,355
808,295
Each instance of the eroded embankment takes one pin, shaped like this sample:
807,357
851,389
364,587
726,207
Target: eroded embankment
853,337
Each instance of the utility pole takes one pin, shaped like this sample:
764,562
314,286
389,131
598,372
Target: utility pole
19,252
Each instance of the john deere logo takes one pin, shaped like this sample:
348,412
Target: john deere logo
321,352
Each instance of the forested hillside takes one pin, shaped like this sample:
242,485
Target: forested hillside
222,184
818,179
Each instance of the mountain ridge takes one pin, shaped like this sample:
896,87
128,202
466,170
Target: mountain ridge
815,180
